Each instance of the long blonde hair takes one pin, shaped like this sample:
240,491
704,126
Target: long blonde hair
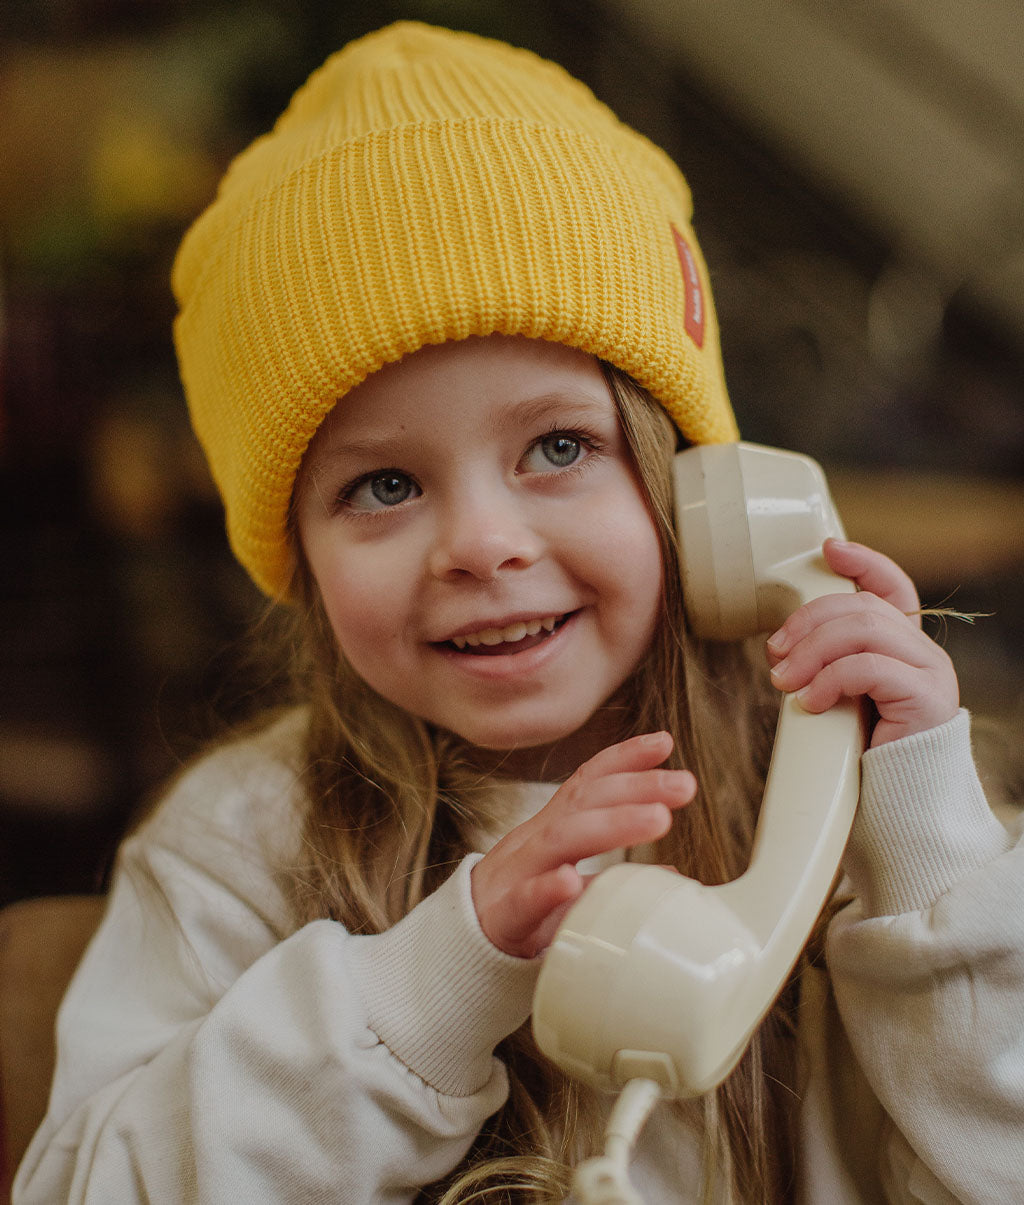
394,806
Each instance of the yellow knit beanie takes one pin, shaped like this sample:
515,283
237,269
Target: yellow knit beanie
425,186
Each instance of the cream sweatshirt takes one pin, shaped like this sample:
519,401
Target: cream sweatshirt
209,1051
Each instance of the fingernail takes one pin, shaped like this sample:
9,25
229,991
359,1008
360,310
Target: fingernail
778,641
803,695
778,671
653,738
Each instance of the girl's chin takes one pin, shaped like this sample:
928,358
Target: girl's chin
551,755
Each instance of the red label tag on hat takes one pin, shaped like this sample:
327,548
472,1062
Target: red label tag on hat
693,311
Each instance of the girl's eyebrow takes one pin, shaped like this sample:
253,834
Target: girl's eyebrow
370,446
569,404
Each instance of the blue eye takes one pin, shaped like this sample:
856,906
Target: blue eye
380,491
559,450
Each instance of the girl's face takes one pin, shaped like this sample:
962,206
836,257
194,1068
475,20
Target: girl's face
485,556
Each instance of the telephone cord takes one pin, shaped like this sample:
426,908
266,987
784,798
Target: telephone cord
604,1179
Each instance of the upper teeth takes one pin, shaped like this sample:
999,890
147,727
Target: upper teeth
514,631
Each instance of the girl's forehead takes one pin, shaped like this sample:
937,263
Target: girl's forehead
496,378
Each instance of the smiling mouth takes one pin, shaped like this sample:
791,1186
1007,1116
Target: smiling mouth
514,638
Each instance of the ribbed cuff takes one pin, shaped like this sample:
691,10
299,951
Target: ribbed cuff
438,994
923,822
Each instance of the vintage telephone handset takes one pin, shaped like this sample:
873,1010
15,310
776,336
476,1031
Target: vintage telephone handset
654,980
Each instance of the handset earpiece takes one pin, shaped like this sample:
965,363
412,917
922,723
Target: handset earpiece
750,522
653,975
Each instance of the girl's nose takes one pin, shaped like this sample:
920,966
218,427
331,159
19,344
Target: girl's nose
480,537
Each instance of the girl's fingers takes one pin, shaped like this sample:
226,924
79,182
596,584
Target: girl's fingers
571,839
637,753
619,798
612,812
883,679
874,572
531,929
523,922
515,889
823,610
864,644
859,630
671,787
546,930
908,699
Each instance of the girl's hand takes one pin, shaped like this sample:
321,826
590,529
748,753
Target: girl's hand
525,885
869,643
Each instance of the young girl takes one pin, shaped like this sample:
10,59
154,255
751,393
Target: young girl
440,333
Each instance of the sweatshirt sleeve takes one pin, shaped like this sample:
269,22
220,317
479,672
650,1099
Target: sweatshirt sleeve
206,1054
927,966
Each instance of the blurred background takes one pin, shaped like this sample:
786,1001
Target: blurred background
858,171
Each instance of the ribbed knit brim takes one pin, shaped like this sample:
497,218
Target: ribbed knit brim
426,186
